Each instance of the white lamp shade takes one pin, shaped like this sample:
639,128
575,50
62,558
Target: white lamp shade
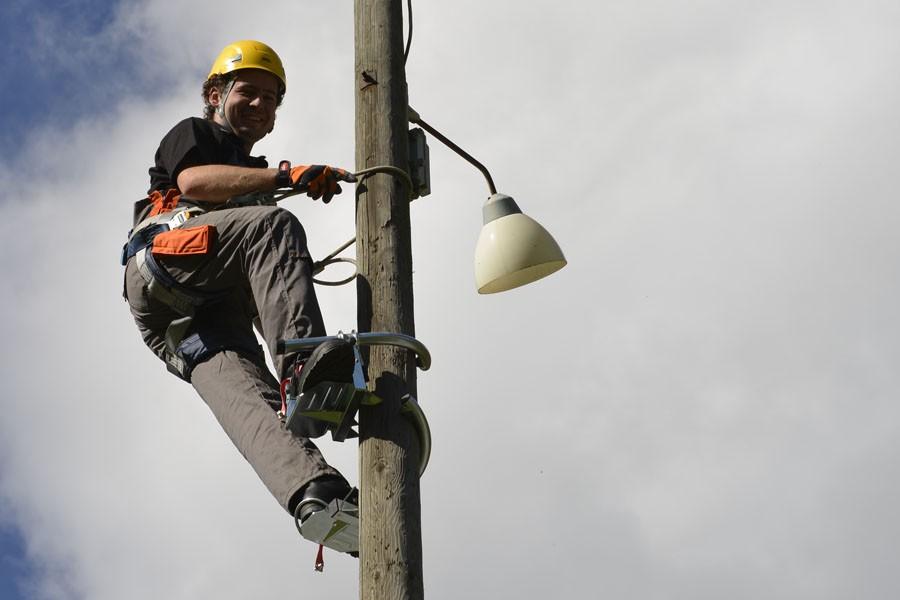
514,250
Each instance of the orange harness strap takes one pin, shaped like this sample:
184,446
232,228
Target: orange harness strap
163,203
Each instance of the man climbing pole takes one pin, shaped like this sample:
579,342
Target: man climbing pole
210,256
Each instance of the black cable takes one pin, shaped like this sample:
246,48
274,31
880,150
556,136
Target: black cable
322,264
409,36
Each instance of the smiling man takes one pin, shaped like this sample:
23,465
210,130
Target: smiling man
210,255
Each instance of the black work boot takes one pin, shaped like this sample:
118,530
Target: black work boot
318,493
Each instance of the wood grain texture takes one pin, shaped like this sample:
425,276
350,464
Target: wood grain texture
390,525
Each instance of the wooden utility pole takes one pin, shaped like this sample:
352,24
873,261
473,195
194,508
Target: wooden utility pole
390,536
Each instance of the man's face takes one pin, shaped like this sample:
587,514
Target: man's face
250,106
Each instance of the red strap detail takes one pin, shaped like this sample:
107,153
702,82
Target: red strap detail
284,384
320,559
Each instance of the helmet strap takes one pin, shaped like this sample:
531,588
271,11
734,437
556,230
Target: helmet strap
220,110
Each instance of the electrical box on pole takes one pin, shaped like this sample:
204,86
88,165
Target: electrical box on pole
419,166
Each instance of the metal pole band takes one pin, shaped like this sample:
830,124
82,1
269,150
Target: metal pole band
423,356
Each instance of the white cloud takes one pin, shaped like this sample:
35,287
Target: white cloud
699,405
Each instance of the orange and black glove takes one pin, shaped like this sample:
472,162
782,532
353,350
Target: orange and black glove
319,181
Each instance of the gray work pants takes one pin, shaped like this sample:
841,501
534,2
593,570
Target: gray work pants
260,265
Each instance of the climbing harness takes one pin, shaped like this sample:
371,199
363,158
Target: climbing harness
170,215
162,286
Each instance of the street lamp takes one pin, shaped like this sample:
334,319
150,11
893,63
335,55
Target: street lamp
513,249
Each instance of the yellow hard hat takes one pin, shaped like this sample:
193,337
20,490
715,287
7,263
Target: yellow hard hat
249,54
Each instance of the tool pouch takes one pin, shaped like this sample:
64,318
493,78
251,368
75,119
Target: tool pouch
184,241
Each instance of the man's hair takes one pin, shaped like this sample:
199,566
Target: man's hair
219,81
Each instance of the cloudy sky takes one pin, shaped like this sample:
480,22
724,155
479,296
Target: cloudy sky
701,405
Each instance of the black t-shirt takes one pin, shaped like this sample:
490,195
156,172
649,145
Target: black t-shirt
194,142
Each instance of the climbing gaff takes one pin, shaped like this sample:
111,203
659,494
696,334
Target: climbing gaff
337,403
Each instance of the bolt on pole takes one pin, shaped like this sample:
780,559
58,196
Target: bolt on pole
390,518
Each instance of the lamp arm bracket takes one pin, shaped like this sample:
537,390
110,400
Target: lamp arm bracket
414,117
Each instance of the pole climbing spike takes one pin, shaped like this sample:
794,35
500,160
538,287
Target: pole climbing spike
335,526
335,403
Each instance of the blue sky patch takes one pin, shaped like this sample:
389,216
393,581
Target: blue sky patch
63,63
14,568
